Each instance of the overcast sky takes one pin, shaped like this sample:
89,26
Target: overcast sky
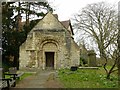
66,8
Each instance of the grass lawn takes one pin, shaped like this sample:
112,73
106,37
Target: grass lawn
25,75
87,78
22,77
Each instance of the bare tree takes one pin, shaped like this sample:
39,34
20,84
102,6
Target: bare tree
99,21
119,41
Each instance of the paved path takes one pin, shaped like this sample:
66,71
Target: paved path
37,80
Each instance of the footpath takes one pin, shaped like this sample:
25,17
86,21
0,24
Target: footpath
42,79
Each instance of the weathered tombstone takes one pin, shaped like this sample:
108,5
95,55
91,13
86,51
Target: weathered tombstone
91,58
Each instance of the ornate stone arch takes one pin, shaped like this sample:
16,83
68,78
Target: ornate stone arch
49,45
49,41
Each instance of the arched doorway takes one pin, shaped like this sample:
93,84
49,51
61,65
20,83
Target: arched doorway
49,55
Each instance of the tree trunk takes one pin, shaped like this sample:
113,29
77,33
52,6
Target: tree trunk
16,60
27,13
19,17
119,42
108,76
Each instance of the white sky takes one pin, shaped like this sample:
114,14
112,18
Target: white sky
66,8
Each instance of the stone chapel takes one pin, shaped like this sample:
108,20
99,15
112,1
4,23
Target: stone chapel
50,44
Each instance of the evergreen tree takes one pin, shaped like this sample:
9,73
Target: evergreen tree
13,34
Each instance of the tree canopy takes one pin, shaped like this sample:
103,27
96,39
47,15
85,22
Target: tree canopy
99,22
13,32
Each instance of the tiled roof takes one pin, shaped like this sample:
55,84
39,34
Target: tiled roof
55,15
66,23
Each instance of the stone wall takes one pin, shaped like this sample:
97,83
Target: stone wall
75,54
67,54
49,36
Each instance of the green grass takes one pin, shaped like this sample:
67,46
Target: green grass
87,78
22,77
26,75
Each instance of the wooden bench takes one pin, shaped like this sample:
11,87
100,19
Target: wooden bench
6,82
13,73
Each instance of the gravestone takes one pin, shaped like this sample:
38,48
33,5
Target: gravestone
92,58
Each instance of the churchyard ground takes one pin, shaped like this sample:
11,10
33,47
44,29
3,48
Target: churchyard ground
87,78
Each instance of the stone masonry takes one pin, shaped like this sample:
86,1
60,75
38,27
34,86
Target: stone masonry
49,45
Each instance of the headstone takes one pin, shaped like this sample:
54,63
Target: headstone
91,58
